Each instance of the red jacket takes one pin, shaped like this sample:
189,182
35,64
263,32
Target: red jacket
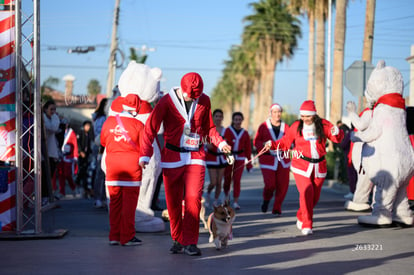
172,113
270,160
70,146
308,146
240,143
122,155
214,155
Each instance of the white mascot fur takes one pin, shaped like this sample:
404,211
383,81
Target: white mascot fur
387,154
143,81
360,200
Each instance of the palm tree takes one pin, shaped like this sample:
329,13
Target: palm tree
338,62
307,7
275,32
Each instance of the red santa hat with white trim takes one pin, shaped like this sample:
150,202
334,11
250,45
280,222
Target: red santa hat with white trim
192,85
307,108
275,106
131,103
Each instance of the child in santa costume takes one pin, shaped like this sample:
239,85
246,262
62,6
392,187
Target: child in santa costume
186,116
121,136
275,165
239,140
309,135
66,167
216,162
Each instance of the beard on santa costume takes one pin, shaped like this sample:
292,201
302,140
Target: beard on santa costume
274,165
309,136
186,121
387,153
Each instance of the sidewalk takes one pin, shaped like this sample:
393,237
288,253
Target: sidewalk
262,243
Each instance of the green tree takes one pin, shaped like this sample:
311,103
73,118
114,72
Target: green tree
49,84
275,32
94,88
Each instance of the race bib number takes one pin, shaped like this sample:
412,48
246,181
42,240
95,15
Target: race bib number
309,134
192,142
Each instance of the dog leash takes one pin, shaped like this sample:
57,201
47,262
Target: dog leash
264,150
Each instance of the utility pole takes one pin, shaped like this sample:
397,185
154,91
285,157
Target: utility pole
114,45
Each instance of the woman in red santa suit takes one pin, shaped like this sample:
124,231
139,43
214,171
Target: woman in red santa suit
239,140
186,116
275,165
309,135
121,136
216,162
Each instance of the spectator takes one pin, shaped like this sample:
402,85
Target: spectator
85,139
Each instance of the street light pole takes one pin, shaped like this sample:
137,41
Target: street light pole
114,45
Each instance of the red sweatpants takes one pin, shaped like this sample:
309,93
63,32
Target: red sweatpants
233,172
277,183
309,192
184,183
122,205
410,187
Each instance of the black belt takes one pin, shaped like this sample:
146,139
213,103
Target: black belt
215,153
237,152
313,160
178,149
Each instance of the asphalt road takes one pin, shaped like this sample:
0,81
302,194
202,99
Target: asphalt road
262,243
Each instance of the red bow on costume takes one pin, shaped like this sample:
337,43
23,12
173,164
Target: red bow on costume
394,100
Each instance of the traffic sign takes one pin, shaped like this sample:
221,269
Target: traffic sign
356,77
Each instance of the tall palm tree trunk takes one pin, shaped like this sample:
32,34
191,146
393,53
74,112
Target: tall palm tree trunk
320,60
338,62
311,56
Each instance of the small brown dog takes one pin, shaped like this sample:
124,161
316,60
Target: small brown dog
220,225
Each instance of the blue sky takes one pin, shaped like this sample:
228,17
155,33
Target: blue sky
190,35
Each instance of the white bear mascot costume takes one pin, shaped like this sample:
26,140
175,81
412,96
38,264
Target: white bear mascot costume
387,153
144,81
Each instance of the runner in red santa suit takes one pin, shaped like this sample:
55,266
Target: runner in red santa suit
121,136
275,165
309,135
239,140
216,162
186,116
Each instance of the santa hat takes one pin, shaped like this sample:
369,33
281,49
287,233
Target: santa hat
131,103
275,106
307,108
192,85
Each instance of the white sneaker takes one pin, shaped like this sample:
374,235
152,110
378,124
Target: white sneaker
236,206
299,224
349,196
306,231
357,207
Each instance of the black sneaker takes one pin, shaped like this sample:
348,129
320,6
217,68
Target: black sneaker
276,213
176,248
192,250
265,205
133,241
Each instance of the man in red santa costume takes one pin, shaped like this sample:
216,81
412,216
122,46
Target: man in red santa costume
186,116
275,166
309,135
121,136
